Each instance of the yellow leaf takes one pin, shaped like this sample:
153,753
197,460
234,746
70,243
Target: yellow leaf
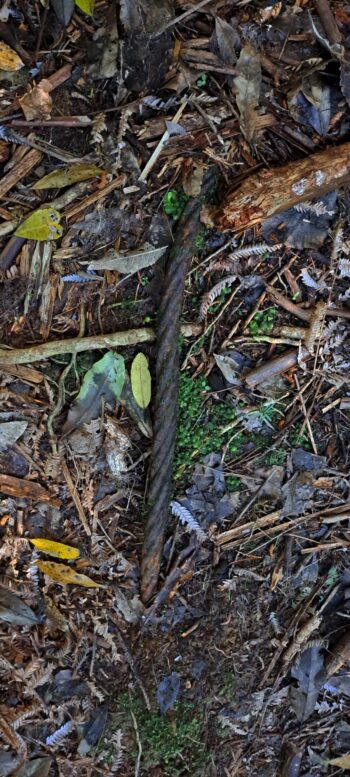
65,575
43,224
9,60
65,176
141,380
343,761
56,549
86,5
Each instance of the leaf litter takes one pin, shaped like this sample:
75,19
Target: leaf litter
102,147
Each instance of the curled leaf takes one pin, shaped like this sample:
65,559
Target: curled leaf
65,176
43,224
65,575
55,549
141,380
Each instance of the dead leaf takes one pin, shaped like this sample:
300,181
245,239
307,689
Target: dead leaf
192,184
56,549
9,60
13,610
10,432
343,761
66,176
65,575
128,263
37,104
64,10
310,675
227,39
248,85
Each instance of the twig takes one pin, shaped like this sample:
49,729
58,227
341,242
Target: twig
276,366
75,496
182,17
328,21
131,663
35,353
139,755
157,151
307,420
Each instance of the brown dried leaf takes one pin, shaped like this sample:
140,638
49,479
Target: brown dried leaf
37,104
248,84
339,655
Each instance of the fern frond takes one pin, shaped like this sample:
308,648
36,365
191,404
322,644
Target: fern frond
98,127
102,630
116,741
309,281
19,720
344,268
210,296
96,691
255,250
187,519
58,736
319,208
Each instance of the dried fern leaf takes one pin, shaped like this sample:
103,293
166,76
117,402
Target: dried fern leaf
211,296
315,326
188,520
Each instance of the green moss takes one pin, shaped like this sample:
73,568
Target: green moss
200,421
275,457
173,741
233,483
200,241
299,437
263,321
174,203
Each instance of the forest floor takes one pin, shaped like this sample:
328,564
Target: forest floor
111,114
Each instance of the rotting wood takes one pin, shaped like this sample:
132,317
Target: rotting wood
276,366
35,353
274,190
28,163
26,489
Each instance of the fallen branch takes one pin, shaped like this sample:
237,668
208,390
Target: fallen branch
35,353
272,191
276,366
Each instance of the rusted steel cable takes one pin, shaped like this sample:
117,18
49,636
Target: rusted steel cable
166,399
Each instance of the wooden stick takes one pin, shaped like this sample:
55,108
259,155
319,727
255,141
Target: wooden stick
29,161
275,190
35,353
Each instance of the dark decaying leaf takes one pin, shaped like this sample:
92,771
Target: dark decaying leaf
248,85
298,494
304,226
168,692
38,767
227,40
63,10
311,104
93,729
10,432
9,762
309,672
105,379
105,47
13,610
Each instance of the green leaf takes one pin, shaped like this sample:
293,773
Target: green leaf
86,5
106,378
43,224
138,414
141,380
65,176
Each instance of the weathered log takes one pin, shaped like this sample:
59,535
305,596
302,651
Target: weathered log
271,191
